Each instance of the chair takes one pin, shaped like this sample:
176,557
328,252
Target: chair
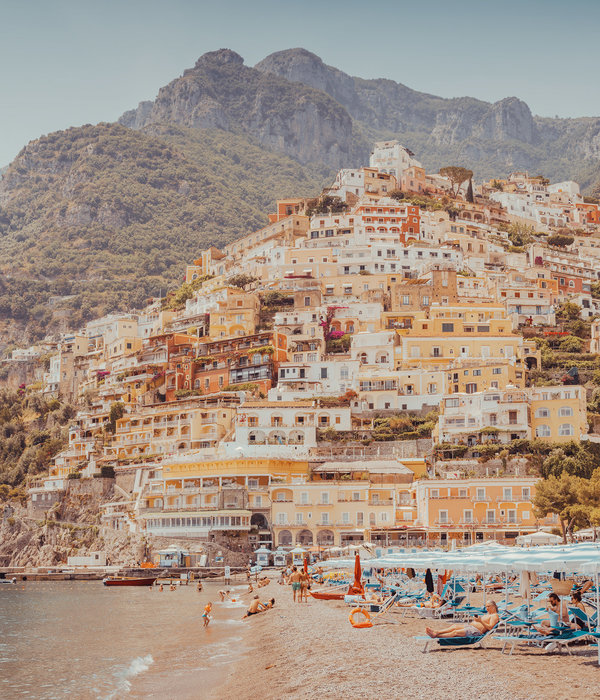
454,642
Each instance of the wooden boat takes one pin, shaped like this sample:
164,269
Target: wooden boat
129,580
328,595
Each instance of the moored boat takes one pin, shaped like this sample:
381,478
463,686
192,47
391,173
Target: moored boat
129,580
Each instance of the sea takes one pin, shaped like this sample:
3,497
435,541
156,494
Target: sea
81,639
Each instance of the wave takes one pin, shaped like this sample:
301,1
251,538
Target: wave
124,676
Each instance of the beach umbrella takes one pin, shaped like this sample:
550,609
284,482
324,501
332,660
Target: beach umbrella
357,587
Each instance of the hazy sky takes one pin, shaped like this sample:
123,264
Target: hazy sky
71,62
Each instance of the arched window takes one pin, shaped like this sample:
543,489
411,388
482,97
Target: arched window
543,431
363,358
566,429
257,359
565,411
542,413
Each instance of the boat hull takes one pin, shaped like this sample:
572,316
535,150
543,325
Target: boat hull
137,581
324,595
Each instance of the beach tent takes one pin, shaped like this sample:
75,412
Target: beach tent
298,555
539,537
262,556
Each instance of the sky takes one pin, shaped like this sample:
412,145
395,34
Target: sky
72,62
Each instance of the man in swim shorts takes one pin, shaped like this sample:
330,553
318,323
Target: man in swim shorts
476,628
296,580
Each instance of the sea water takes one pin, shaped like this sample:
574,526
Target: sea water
73,639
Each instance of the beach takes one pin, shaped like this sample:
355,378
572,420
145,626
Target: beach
310,650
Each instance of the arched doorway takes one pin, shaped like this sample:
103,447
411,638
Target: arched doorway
285,538
260,521
305,538
325,538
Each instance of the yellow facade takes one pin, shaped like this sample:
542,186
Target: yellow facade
558,414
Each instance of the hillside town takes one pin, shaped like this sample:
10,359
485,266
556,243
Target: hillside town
376,365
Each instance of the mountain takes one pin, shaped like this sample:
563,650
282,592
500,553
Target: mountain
99,218
220,91
492,139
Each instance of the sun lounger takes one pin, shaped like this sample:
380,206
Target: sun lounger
454,642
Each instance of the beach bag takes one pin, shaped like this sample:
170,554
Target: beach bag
553,617
562,587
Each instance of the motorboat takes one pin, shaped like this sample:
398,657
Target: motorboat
129,580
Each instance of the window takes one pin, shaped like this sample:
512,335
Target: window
507,493
281,518
480,494
525,514
345,518
325,518
566,429
497,370
299,518
512,417
543,431
462,493
304,498
447,328
467,516
325,497
252,483
526,493
470,388
435,493
443,517
565,411
542,413
477,373
323,372
491,516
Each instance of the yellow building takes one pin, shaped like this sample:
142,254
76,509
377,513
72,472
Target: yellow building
470,510
558,413
230,497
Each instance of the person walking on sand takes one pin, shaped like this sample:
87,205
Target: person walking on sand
296,580
304,581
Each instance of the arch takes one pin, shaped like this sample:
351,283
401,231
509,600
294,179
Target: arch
349,327
256,437
284,538
304,537
543,431
325,538
531,362
296,437
363,358
260,521
277,437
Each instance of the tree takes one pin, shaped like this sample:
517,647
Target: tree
556,496
469,195
117,410
570,343
396,194
570,459
568,311
560,240
241,280
457,175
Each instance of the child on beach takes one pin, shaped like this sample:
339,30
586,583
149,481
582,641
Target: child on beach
206,614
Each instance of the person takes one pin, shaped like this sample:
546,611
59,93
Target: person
199,586
583,587
296,580
477,627
560,610
172,586
254,608
206,614
222,595
577,603
250,587
304,583
160,588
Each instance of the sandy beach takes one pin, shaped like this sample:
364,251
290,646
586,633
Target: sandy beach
310,650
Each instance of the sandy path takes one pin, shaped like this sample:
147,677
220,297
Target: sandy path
311,651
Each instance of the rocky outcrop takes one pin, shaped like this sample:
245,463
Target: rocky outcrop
489,138
220,91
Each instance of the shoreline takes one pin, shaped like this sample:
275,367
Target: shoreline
309,650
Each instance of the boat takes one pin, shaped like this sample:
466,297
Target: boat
9,581
129,580
328,595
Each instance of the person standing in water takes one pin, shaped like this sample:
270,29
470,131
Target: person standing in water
206,614
296,580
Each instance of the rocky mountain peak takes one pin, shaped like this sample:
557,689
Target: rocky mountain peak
222,56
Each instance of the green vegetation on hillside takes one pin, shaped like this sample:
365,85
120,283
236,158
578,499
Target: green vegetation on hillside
103,217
